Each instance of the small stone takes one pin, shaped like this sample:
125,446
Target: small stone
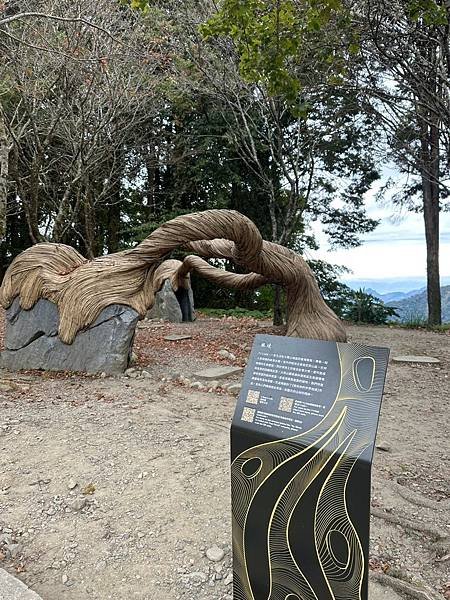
64,579
15,550
235,388
198,577
221,372
129,372
384,447
215,554
72,484
196,385
78,504
424,360
227,354
177,338
103,374
228,579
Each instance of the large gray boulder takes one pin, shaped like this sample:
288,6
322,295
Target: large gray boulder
12,588
32,342
176,307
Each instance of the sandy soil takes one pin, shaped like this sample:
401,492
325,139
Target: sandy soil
116,488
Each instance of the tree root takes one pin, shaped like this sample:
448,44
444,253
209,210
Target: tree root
437,535
442,548
419,499
398,585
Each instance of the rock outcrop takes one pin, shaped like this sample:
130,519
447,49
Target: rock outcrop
12,588
32,342
175,307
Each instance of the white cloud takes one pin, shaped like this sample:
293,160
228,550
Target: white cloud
396,249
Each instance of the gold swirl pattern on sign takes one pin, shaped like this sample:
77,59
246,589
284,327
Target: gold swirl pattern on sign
357,374
330,451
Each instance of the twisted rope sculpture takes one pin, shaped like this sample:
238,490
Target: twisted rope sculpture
82,289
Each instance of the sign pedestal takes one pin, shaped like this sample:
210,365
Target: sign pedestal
303,437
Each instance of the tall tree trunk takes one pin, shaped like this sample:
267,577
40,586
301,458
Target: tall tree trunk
62,217
115,206
430,173
4,153
431,217
153,181
31,201
114,223
89,223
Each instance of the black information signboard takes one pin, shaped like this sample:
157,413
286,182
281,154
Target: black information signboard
303,436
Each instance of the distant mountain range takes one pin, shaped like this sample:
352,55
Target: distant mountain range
414,305
389,285
395,296
407,295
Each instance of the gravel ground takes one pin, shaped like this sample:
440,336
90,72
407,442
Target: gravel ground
118,488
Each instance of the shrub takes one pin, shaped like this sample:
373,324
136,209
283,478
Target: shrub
235,312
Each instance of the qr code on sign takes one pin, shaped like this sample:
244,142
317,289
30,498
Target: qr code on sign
248,415
286,404
253,397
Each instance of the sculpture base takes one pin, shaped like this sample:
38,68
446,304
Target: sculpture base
32,342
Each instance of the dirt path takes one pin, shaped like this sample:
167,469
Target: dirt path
115,488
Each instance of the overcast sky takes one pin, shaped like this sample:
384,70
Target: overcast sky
396,249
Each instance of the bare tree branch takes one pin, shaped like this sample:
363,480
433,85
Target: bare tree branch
40,15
